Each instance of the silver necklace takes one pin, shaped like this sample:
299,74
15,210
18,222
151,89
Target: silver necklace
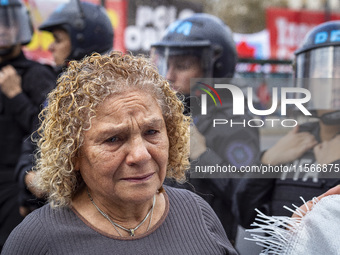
131,231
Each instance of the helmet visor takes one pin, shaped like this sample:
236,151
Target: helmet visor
318,71
177,59
15,26
319,63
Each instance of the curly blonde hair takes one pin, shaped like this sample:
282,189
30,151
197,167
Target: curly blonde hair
72,105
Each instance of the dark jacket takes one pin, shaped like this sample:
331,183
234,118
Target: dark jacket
18,118
27,161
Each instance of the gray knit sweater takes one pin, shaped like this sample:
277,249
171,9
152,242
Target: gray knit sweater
189,226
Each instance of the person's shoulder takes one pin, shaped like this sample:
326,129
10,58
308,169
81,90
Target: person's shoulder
189,209
40,77
37,215
30,227
29,237
186,197
33,66
199,211
41,220
175,192
37,66
46,215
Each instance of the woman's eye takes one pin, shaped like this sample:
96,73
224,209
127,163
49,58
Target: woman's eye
57,39
113,139
151,132
181,66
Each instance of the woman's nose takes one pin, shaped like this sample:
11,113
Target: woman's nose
51,47
138,152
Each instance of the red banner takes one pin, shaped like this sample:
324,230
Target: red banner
117,12
287,28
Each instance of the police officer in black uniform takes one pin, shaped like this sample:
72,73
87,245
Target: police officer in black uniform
87,25
79,29
23,88
202,46
312,149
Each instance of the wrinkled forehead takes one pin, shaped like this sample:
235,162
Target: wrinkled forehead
129,107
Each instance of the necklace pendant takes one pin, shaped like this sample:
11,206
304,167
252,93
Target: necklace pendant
132,232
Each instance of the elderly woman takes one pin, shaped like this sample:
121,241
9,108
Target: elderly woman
113,130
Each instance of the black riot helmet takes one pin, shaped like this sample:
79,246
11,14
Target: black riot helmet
87,24
317,68
201,35
15,24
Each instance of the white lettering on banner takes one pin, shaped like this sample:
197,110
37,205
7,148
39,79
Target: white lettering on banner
289,35
150,25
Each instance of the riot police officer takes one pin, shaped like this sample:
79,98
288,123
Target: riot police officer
309,147
23,88
79,29
85,27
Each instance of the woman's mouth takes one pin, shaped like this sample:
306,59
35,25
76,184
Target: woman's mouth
141,178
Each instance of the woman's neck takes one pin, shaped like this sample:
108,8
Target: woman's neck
126,215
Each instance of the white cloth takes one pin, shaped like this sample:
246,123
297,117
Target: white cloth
317,233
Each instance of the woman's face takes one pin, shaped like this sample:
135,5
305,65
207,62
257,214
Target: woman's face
125,152
7,36
61,47
180,70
